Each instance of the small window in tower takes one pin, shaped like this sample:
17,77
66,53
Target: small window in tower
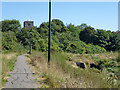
28,24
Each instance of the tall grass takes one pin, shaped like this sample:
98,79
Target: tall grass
0,70
8,61
63,75
89,76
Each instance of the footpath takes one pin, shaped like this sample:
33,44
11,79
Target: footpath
22,76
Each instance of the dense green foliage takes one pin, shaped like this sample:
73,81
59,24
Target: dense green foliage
70,38
11,25
110,65
87,35
10,42
106,39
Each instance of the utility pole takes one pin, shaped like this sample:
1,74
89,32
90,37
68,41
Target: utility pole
49,43
60,39
30,44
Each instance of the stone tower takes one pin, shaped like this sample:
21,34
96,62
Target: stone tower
28,24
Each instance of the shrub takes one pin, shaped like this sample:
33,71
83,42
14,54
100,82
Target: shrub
81,47
9,41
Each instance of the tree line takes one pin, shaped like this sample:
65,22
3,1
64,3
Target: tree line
71,38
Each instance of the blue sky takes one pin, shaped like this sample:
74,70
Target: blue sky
101,15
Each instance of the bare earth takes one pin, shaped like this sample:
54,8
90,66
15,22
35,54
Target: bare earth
22,76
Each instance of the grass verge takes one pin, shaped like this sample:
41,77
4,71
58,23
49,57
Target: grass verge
62,75
8,62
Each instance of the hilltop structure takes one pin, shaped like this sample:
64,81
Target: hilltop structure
28,24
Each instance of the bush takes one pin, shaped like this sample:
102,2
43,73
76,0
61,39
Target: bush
9,41
81,47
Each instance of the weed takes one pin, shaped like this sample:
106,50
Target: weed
8,75
44,75
35,79
8,62
4,80
61,74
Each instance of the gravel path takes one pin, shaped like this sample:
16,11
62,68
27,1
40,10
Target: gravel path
22,76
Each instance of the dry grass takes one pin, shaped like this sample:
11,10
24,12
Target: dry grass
8,61
87,58
107,55
0,70
9,56
40,66
63,75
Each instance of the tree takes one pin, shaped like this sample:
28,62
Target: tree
24,37
115,42
10,42
11,25
56,26
75,30
83,26
75,39
107,39
58,22
87,35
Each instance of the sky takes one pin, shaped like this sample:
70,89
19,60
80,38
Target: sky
100,15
